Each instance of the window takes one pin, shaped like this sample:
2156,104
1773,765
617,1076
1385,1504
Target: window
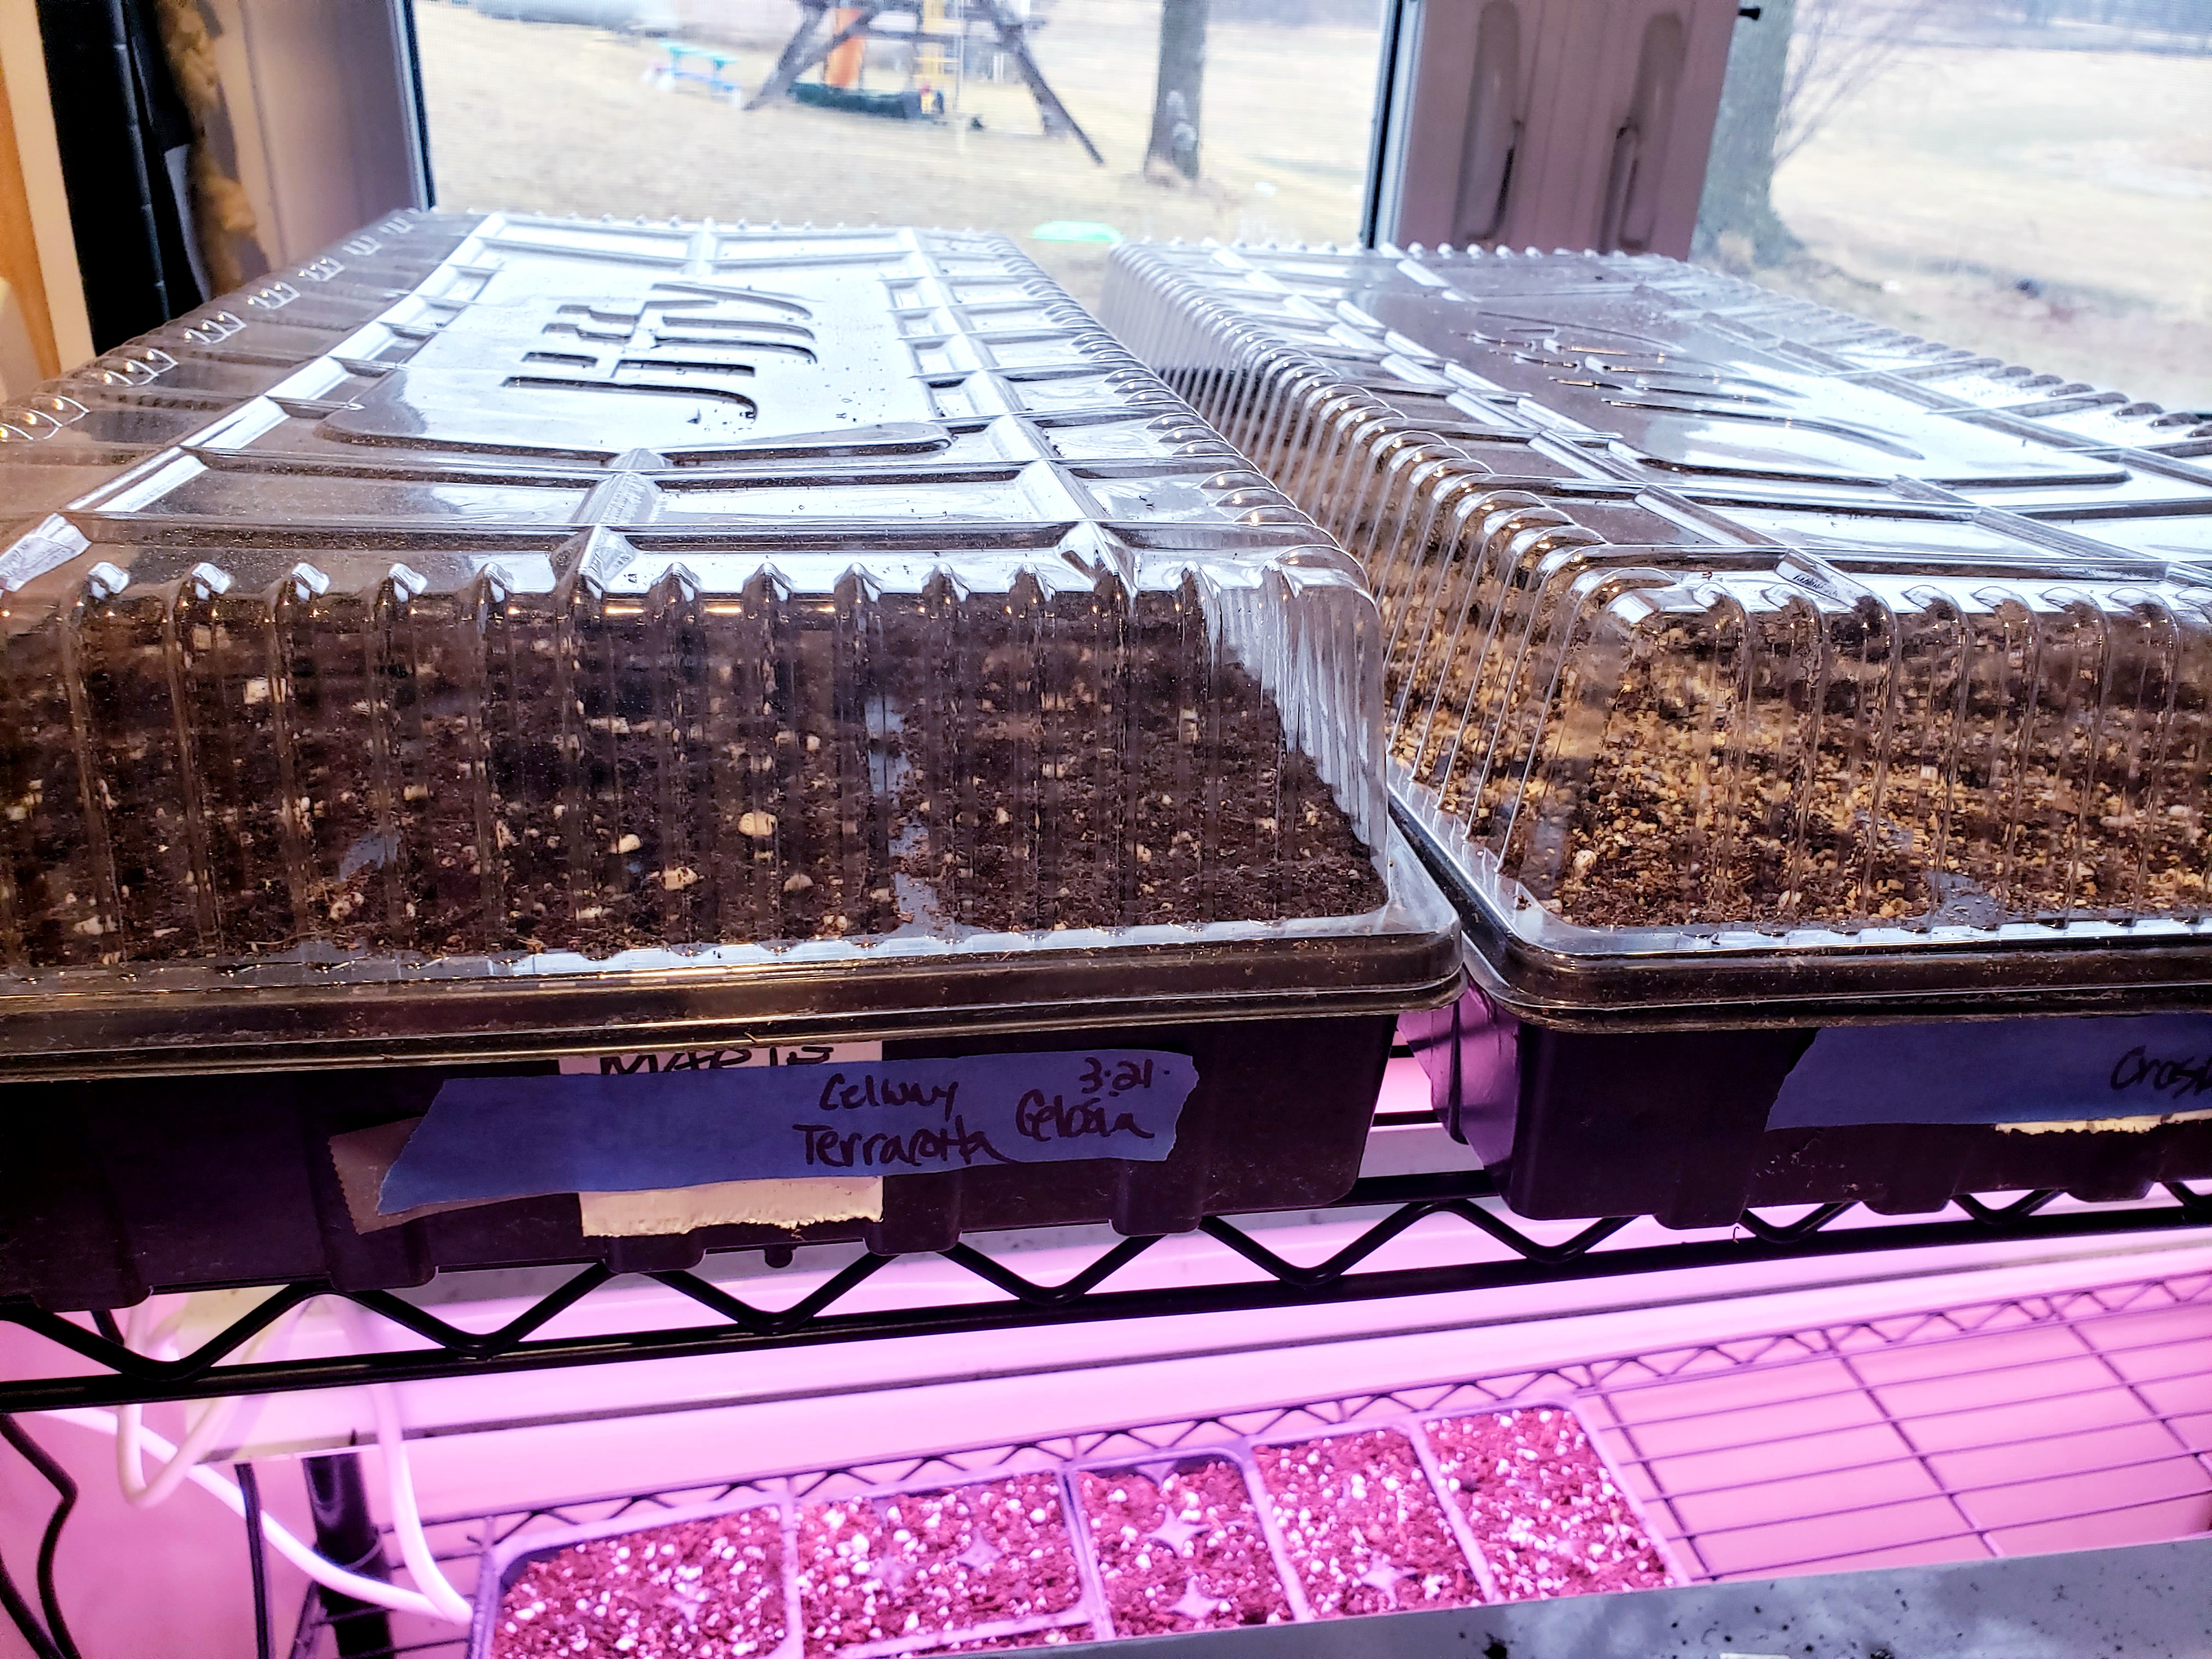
653,107
2031,179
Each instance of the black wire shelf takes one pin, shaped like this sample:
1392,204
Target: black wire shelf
125,1376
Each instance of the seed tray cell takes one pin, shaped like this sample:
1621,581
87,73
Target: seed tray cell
1540,1502
1362,1527
1181,1546
707,1588
910,1568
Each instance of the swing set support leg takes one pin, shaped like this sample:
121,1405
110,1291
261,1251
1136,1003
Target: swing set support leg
799,56
1014,38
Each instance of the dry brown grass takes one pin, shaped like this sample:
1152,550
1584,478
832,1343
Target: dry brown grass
1964,173
559,119
1957,175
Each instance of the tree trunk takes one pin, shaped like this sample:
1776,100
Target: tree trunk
1175,99
1738,200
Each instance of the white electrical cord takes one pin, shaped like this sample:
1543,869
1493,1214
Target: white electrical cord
399,1478
436,1599
200,1430
406,1519
323,1571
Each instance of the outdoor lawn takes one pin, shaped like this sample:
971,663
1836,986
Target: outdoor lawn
2051,206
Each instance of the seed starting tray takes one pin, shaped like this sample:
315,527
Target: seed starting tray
1513,1503
504,628
1745,663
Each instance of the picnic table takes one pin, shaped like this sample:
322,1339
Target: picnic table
709,68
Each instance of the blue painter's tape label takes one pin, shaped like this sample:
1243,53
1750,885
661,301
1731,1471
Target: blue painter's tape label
2005,1071
490,1138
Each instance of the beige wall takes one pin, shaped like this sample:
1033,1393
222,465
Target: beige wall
19,261
43,326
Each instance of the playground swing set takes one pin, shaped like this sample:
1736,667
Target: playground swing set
936,33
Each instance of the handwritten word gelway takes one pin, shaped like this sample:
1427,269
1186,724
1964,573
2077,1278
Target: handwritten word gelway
839,1095
831,1149
2177,1080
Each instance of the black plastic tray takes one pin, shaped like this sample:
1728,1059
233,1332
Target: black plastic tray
1673,1124
117,1188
